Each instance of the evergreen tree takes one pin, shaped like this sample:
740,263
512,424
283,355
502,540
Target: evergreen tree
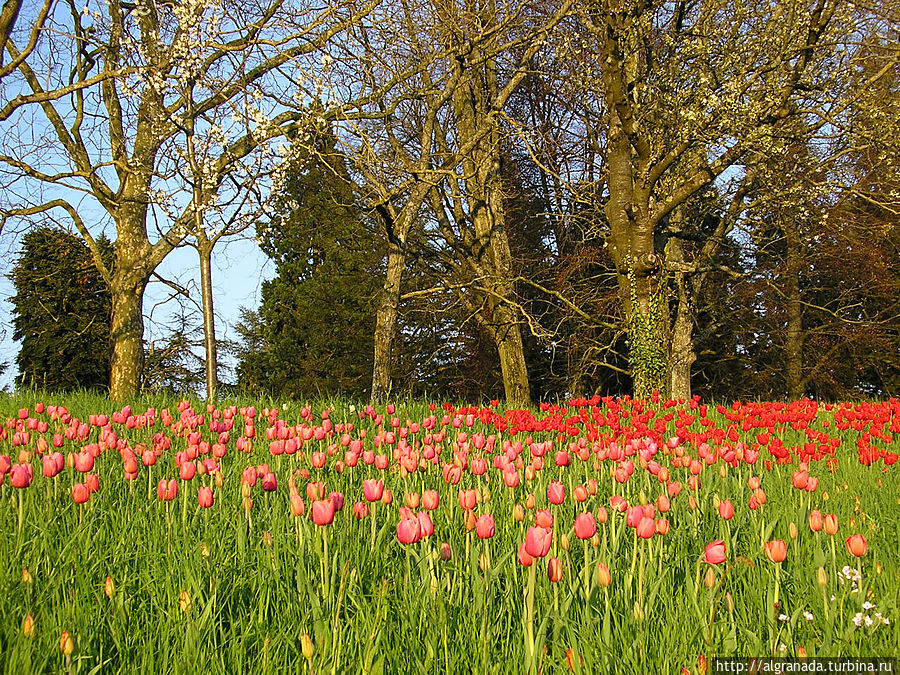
61,312
313,333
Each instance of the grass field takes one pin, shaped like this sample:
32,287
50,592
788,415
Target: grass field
130,581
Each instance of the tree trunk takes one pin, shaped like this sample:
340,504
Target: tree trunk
205,248
681,342
126,337
793,344
386,323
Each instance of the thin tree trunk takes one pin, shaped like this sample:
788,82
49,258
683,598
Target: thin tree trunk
205,249
793,345
386,323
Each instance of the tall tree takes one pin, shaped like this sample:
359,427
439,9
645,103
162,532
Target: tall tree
61,312
315,326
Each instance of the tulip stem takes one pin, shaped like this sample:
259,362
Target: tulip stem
325,576
587,575
529,620
372,516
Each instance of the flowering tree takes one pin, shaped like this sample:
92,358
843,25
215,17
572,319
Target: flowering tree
119,103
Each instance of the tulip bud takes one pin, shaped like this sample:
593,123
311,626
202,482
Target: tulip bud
518,513
723,470
801,652
792,530
28,627
184,601
604,578
595,541
446,552
306,646
564,541
470,520
26,577
483,563
245,490
729,602
709,579
109,587
66,644
822,577
638,611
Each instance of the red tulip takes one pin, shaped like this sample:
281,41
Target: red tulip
662,526
80,493
269,482
426,527
167,490
484,526
468,499
554,569
525,559
360,510
585,526
205,497
84,461
537,541
856,545
93,482
187,470
714,554
297,505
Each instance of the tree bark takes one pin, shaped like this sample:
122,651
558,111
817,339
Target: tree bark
386,323
205,249
126,336
793,344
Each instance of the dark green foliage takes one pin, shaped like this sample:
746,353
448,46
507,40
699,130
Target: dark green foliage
314,330
61,312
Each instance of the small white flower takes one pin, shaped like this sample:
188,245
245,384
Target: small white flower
833,599
858,619
783,617
869,621
808,616
782,647
868,605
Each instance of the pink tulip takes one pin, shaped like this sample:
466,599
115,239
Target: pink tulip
537,542
556,492
468,499
646,528
297,505
525,559
816,521
373,489
84,461
484,526
205,497
187,470
543,518
426,527
269,482
726,509
408,531
93,482
323,512
337,500
49,468
360,510
21,475
430,500
167,490
714,554
585,526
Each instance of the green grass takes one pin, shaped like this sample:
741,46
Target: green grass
256,584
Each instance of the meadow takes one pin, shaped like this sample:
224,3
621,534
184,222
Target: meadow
601,535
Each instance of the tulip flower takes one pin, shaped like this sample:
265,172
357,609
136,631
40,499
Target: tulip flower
484,526
856,545
269,482
604,578
726,509
426,526
80,493
524,557
167,490
430,500
831,524
323,512
714,553
646,528
297,505
21,475
360,510
556,492
537,541
585,526
776,551
554,569
373,489
205,497
408,531
543,518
